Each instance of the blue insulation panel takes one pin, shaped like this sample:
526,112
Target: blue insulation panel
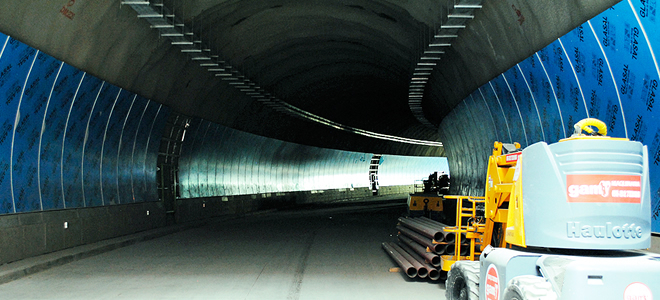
71,140
607,68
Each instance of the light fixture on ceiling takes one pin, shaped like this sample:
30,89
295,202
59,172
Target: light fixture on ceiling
456,19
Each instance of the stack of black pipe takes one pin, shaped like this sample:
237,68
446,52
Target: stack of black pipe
416,235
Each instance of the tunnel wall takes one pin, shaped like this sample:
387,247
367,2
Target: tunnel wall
223,171
219,161
79,161
78,156
606,68
70,140
403,170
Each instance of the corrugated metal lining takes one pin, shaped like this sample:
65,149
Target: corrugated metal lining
220,161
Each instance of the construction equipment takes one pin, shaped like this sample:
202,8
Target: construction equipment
559,221
422,240
429,201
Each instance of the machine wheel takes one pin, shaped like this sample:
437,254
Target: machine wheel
529,287
463,281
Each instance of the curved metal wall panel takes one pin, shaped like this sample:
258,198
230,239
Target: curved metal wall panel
607,68
188,168
24,96
50,143
220,161
71,140
405,170
91,149
145,151
353,168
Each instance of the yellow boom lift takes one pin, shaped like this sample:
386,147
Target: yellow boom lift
559,221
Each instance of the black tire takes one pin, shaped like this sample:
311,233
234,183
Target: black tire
463,281
529,287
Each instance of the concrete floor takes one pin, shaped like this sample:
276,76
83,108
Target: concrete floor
328,253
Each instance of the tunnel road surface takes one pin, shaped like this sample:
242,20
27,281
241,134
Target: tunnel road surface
303,254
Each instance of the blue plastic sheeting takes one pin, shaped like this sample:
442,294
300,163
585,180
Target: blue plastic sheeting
220,161
71,140
607,68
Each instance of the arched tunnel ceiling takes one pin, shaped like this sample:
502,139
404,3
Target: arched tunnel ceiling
347,61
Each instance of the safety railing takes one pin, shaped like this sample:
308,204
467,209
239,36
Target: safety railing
468,231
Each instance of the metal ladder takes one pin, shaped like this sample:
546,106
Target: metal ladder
168,163
373,172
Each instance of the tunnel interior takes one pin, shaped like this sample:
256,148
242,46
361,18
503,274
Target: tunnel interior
110,128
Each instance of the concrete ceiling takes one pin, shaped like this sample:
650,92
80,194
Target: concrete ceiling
349,61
